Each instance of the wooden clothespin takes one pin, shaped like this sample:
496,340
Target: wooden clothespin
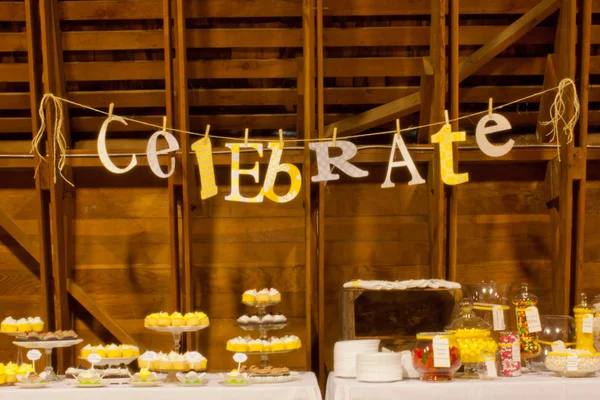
281,138
398,128
206,131
490,107
334,136
110,109
164,129
446,117
246,137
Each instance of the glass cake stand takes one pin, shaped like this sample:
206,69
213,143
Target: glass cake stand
47,346
113,361
19,352
176,331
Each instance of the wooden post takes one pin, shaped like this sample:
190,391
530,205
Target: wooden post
54,83
454,113
437,216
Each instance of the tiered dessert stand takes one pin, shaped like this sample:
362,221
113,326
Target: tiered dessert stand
47,346
261,311
176,331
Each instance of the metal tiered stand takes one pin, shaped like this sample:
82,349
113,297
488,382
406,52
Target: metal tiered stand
263,329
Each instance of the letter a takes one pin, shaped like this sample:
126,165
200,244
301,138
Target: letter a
407,162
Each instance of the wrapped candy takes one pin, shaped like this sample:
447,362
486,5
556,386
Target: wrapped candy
510,354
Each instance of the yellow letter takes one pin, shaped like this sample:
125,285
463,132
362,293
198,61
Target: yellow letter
274,168
236,172
203,150
445,137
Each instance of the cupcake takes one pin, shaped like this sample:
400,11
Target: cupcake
177,319
249,297
204,321
129,351
277,344
279,318
37,324
191,319
100,350
2,374
255,345
86,351
230,345
198,365
113,351
164,363
9,325
263,297
151,320
23,325
243,320
275,295
241,346
178,361
254,320
163,319
23,370
11,373
294,342
267,320
266,345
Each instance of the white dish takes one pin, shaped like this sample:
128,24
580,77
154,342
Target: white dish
177,329
344,355
257,379
204,382
379,367
146,384
95,385
113,361
47,344
31,385
234,385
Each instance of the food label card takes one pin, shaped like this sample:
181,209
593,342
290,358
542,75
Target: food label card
34,355
588,324
498,318
572,363
516,351
533,319
441,352
491,368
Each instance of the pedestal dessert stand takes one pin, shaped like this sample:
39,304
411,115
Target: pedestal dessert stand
261,311
113,361
19,352
47,346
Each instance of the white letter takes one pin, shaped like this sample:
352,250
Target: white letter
102,152
236,172
324,162
152,154
407,162
502,124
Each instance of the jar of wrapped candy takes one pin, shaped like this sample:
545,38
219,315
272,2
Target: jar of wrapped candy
528,323
487,368
473,336
436,356
510,354
584,325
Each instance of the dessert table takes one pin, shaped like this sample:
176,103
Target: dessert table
526,387
306,388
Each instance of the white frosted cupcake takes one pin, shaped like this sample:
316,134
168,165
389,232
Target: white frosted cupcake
23,325
274,295
263,297
267,320
249,297
243,320
279,319
254,320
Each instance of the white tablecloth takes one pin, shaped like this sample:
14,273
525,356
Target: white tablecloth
306,388
526,387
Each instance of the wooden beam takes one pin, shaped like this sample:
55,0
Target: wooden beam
467,67
585,24
19,236
427,89
99,313
546,100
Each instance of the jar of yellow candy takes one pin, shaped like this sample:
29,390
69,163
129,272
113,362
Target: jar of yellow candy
473,336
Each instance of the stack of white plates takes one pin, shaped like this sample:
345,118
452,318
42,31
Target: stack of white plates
379,367
344,355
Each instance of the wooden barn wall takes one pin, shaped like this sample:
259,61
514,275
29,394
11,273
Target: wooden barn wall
245,69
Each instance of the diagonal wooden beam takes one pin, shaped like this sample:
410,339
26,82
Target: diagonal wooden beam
97,312
411,103
21,237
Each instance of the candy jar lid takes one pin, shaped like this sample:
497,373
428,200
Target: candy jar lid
583,307
525,296
467,319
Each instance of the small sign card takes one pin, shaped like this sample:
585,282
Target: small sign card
441,352
533,319
94,359
33,356
498,318
588,324
572,363
490,365
516,351
240,358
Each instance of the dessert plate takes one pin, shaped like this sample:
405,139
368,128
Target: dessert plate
31,385
146,384
95,385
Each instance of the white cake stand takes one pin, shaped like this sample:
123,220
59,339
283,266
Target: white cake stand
47,346
176,331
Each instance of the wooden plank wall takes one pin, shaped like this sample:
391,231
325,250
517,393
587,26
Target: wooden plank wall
246,70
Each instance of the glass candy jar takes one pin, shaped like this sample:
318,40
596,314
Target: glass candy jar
524,301
584,325
554,328
510,354
473,336
597,323
487,368
491,303
428,364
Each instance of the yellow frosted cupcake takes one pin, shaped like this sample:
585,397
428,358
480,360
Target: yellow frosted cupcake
191,319
177,319
163,319
203,318
249,297
128,351
274,295
11,373
23,325
9,325
37,325
113,351
100,350
151,320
